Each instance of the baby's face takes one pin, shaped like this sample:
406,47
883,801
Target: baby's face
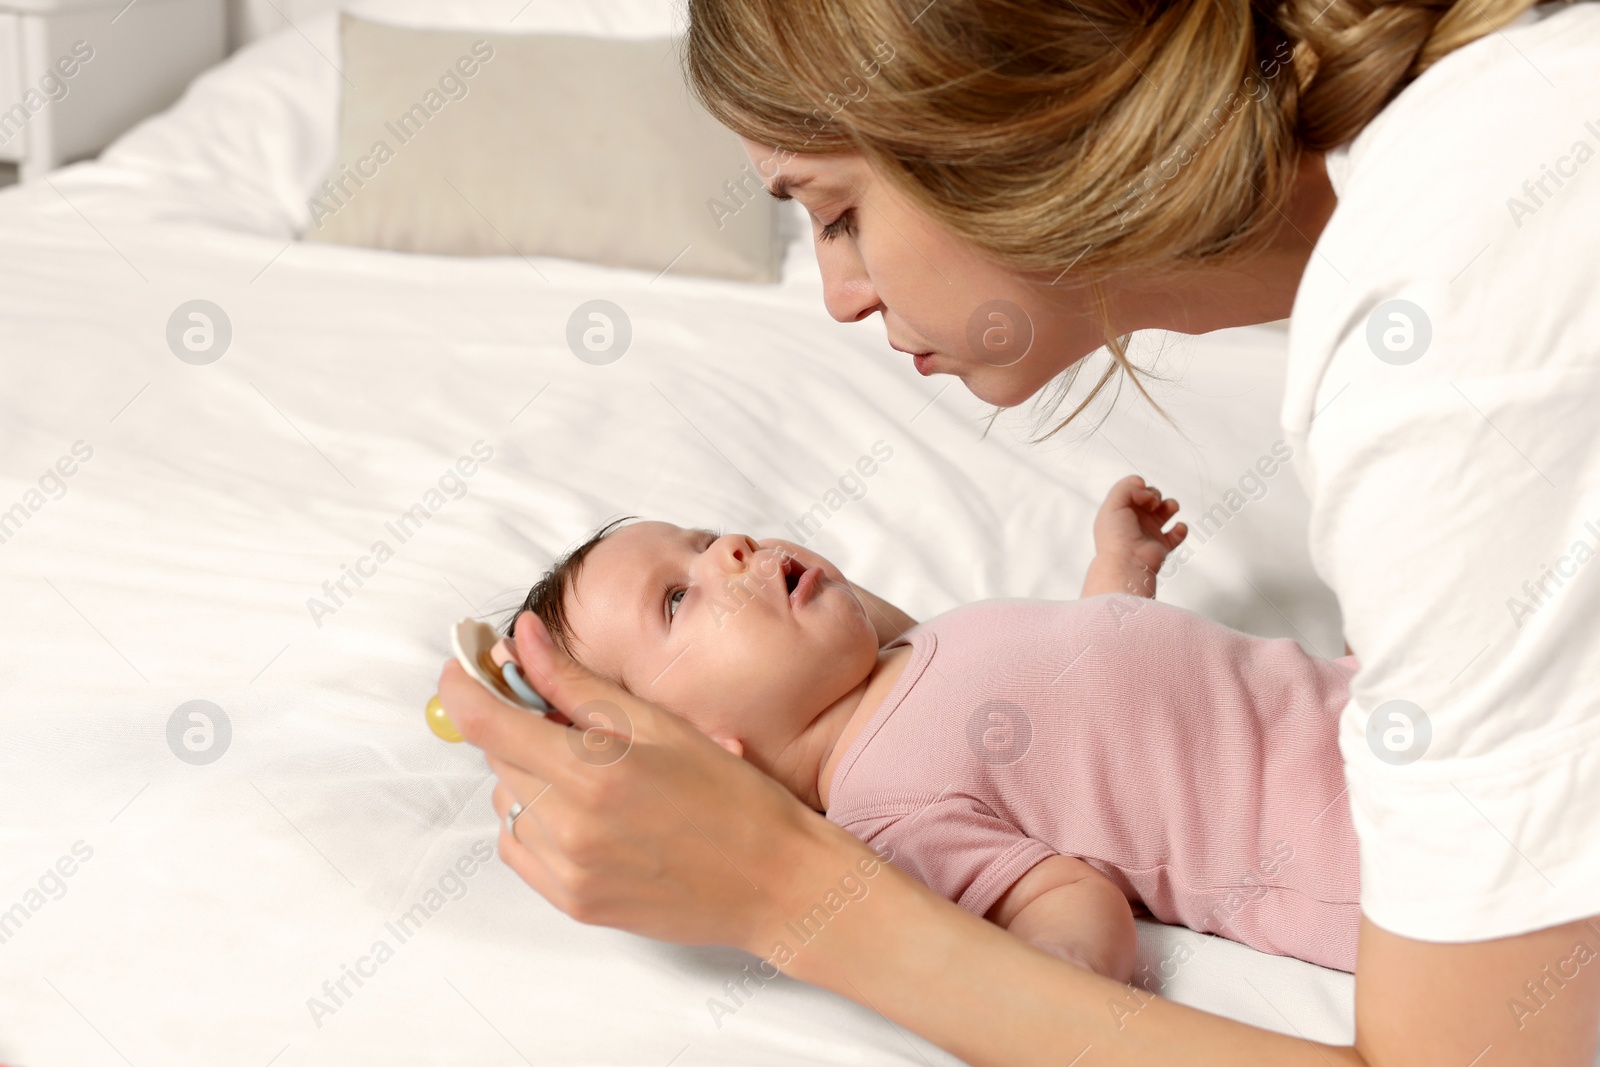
745,639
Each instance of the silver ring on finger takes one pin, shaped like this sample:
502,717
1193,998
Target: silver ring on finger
511,817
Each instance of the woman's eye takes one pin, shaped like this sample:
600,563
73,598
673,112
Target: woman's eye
673,600
843,226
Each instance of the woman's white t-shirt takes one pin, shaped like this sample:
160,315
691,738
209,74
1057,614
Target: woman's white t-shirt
1444,400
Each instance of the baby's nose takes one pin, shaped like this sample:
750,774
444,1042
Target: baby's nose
734,551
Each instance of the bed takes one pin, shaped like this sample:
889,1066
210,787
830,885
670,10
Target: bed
158,908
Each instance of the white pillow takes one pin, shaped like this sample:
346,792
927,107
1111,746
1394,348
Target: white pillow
458,142
252,138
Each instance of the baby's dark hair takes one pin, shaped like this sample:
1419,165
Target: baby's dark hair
548,597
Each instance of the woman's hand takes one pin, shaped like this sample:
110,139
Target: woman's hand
632,818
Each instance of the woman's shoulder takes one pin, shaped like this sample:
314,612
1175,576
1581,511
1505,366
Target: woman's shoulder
1465,239
1517,88
1471,153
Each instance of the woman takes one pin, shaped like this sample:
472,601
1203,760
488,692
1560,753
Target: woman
1011,185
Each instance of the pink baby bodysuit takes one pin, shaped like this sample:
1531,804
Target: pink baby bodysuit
1195,766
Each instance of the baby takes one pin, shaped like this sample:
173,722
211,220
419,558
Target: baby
1050,766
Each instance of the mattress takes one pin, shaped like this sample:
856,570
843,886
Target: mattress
303,874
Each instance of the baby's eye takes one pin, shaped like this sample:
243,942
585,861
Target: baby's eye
673,600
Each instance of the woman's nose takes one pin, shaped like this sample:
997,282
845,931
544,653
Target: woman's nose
847,291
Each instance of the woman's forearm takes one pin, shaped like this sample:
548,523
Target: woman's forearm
987,997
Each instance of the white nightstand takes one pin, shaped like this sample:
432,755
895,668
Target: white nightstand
75,73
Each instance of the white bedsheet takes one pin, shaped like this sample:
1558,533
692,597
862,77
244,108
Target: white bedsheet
179,562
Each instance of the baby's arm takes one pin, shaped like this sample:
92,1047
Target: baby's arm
1068,909
1129,545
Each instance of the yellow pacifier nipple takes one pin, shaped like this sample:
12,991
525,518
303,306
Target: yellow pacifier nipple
439,722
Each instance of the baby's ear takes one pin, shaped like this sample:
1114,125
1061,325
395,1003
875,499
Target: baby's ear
732,744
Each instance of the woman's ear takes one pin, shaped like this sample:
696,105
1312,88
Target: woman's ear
732,744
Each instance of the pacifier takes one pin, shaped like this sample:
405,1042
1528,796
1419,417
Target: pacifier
484,655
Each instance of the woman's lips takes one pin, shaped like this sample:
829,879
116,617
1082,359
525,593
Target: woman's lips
920,360
805,588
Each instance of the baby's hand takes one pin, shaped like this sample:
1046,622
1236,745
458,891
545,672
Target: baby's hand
1129,543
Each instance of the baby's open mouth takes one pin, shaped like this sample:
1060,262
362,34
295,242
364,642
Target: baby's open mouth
801,581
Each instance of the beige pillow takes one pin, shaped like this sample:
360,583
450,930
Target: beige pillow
582,147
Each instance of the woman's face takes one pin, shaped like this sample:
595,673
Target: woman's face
950,308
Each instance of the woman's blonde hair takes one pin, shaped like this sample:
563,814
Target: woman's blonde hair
1098,136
